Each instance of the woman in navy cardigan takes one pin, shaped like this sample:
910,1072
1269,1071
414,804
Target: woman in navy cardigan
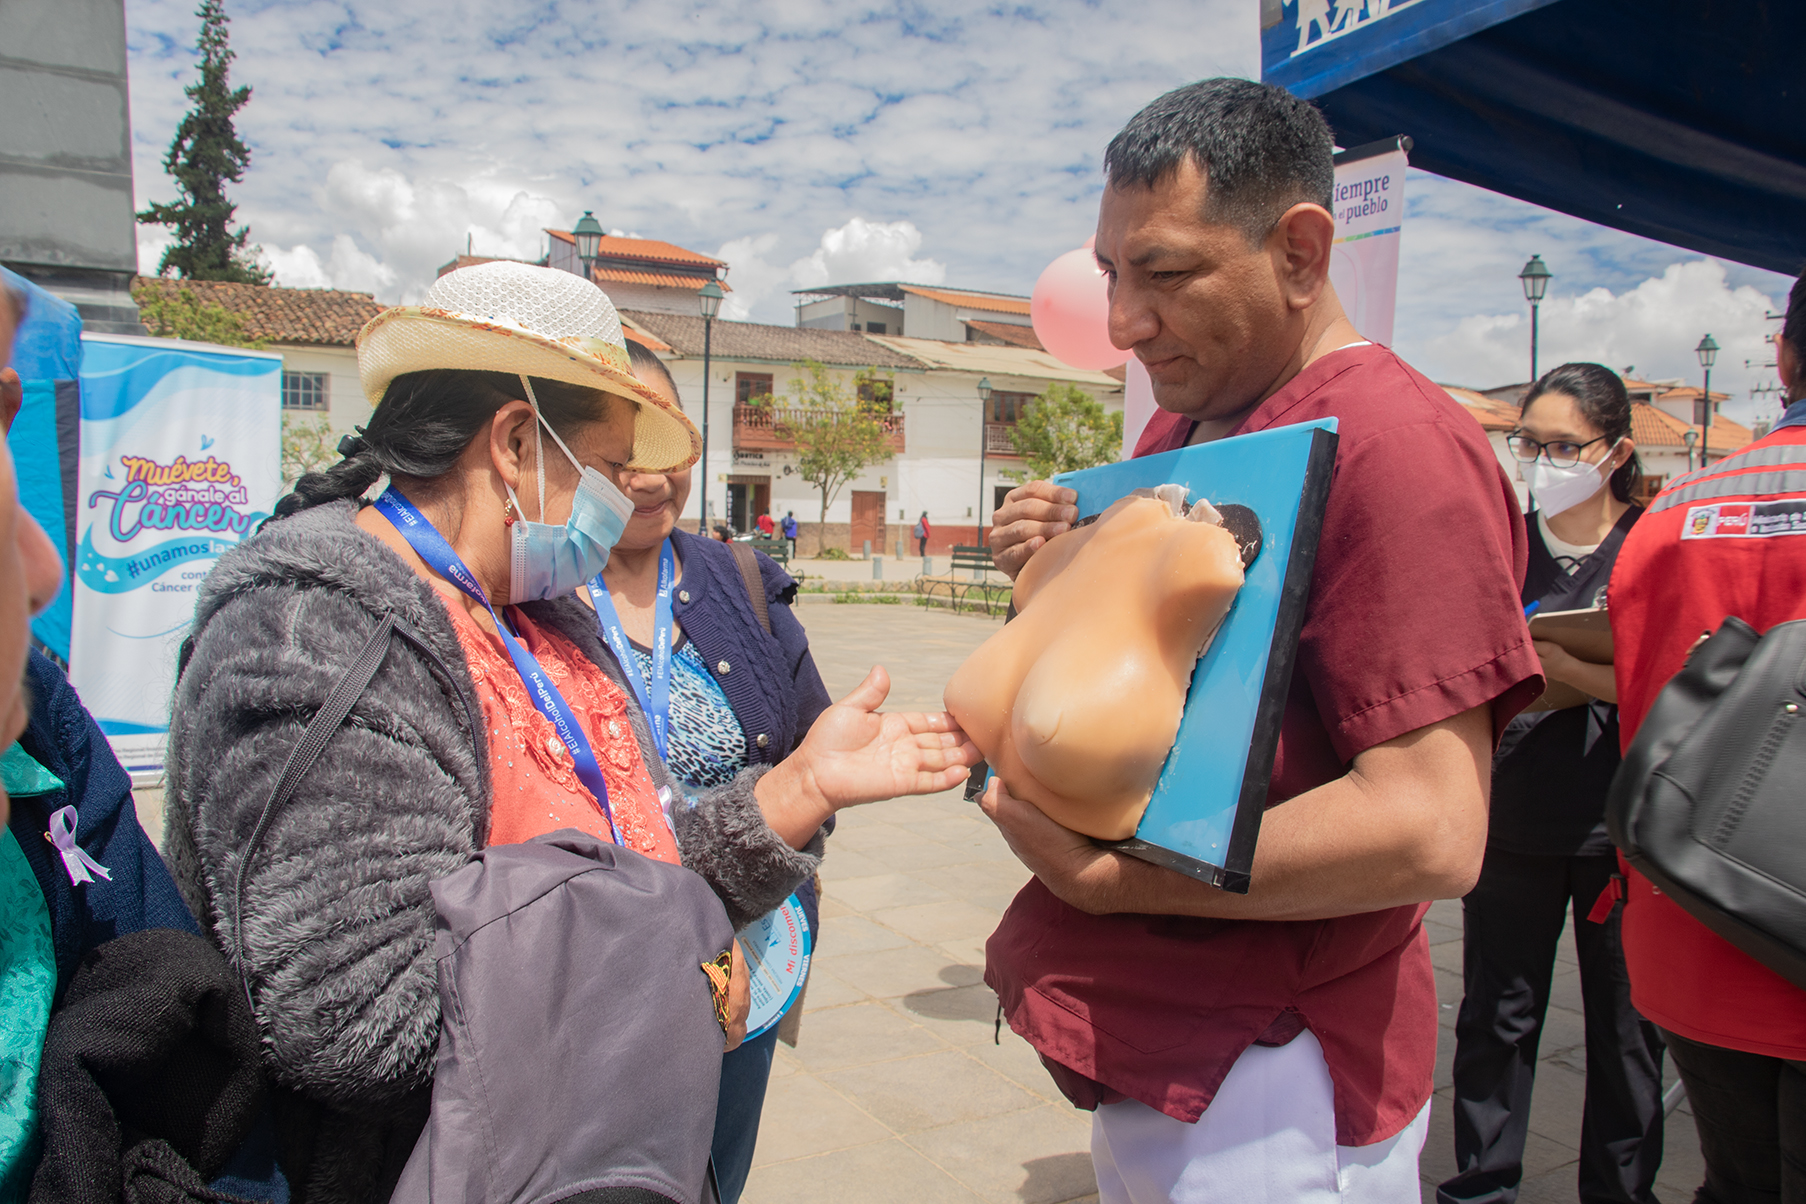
740,697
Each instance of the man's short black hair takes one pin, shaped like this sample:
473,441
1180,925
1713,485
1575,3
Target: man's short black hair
1262,150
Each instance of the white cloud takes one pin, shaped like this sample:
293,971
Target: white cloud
863,251
409,126
751,275
1652,327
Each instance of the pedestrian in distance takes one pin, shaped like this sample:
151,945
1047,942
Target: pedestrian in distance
766,526
1547,847
480,497
789,528
723,533
1717,543
922,533
1280,1044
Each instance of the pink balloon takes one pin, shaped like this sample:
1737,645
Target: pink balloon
1070,309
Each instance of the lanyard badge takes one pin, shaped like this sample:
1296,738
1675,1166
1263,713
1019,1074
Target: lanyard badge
442,559
654,697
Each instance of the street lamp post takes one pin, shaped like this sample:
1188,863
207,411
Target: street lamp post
710,300
1707,352
1535,278
984,437
1690,438
587,234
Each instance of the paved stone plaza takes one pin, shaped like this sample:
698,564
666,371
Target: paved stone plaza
896,1092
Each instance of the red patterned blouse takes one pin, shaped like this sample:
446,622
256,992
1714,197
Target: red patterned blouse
534,779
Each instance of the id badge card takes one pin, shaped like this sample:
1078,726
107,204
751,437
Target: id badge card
777,947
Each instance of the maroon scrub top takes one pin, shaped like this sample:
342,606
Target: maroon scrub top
1413,618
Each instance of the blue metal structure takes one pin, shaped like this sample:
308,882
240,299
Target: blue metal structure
1678,120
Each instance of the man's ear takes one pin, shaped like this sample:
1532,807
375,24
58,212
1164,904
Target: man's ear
1300,245
1787,364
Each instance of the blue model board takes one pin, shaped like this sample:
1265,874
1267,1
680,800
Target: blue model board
1206,809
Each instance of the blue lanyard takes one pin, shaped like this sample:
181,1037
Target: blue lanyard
656,702
442,559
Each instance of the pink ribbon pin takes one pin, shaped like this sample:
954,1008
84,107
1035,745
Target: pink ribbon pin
75,858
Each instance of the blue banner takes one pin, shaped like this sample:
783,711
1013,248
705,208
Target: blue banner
1313,46
181,449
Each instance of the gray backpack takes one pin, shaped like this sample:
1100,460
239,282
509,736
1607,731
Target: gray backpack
579,1055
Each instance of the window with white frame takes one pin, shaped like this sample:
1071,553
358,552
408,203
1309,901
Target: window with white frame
304,390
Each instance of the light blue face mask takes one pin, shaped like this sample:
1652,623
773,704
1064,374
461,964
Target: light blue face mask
548,561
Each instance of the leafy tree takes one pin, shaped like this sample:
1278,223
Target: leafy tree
181,313
1066,429
837,435
206,154
307,446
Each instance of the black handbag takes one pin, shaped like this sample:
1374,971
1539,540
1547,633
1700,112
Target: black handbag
1710,802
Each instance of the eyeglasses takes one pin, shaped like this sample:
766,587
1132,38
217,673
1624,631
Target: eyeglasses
1561,453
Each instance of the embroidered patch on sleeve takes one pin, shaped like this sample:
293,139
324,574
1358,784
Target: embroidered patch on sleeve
1747,520
719,970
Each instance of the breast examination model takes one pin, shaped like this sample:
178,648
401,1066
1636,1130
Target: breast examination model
1076,702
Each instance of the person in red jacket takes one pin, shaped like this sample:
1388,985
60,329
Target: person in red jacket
1718,542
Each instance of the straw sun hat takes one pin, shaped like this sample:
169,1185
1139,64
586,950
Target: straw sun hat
518,318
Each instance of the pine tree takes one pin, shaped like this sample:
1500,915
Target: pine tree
206,154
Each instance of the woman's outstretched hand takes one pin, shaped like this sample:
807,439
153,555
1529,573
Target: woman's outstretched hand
857,754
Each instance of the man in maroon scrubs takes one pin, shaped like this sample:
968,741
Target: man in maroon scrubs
1279,1045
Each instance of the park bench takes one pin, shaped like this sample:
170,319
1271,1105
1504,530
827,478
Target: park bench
976,589
777,549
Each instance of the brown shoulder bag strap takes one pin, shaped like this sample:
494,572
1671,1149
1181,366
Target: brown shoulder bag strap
755,584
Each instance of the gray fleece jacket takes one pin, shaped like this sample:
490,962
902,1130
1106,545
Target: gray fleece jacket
338,923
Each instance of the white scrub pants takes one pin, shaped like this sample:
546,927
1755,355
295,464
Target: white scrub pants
1269,1137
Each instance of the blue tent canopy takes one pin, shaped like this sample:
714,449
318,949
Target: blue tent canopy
1679,120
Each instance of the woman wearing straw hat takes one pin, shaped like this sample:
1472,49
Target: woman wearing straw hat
481,496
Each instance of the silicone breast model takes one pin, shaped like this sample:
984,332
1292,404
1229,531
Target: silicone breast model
1076,702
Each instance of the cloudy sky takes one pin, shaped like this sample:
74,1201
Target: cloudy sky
810,143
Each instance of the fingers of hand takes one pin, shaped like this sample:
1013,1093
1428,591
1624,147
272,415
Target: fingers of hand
739,998
1043,491
869,694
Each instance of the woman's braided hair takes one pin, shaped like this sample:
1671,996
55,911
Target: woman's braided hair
426,420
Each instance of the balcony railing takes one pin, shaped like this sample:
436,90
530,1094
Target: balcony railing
998,441
764,428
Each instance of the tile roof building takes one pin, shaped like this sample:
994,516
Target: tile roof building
641,273
315,329
313,317
927,393
917,311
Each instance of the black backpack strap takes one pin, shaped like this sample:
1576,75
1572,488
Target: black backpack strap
319,733
755,584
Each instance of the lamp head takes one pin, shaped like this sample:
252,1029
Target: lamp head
710,299
984,388
1707,351
1690,438
588,234
1535,276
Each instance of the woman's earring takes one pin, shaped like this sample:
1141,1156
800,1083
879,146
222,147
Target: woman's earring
508,515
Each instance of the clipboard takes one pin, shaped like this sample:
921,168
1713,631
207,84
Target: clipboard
1586,635
1207,804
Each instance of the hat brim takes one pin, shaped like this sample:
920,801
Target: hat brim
411,338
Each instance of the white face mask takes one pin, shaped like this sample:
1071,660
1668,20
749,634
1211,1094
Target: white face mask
1558,489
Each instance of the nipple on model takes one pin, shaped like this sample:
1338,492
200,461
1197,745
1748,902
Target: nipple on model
1076,702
